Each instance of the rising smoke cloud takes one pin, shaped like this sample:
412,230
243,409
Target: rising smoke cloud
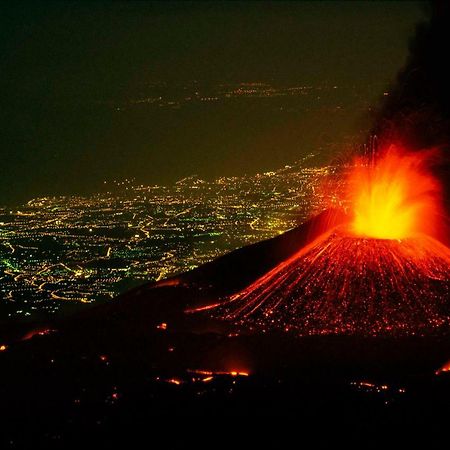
417,109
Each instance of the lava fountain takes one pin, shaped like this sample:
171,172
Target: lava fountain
395,198
383,273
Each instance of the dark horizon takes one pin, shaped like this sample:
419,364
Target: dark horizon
74,73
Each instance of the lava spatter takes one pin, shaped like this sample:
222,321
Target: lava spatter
342,284
396,197
381,274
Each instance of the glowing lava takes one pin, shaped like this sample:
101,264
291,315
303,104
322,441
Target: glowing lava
382,274
343,284
396,197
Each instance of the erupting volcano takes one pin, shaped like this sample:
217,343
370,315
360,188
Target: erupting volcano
384,272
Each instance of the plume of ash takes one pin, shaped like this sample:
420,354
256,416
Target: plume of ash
417,110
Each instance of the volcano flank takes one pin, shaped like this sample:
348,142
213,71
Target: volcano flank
344,284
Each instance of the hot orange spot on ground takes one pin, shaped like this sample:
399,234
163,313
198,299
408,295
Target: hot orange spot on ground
233,373
444,368
394,198
37,332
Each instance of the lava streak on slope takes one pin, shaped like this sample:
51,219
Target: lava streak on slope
382,274
351,285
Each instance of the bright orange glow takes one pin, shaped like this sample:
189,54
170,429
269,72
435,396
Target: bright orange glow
201,372
233,373
395,198
241,374
379,269
444,368
3,348
37,332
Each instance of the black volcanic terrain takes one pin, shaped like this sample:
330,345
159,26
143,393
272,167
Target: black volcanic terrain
140,365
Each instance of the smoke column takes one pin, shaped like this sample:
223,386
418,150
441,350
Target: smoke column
417,110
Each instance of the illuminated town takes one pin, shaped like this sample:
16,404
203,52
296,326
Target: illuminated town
56,250
291,97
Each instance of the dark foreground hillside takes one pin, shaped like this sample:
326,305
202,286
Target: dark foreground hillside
141,367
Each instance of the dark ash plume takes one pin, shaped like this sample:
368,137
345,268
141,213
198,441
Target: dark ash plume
417,110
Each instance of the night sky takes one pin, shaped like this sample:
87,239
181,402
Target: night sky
69,71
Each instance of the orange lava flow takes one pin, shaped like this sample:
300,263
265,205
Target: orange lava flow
395,198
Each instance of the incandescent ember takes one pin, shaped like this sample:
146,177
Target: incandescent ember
383,273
